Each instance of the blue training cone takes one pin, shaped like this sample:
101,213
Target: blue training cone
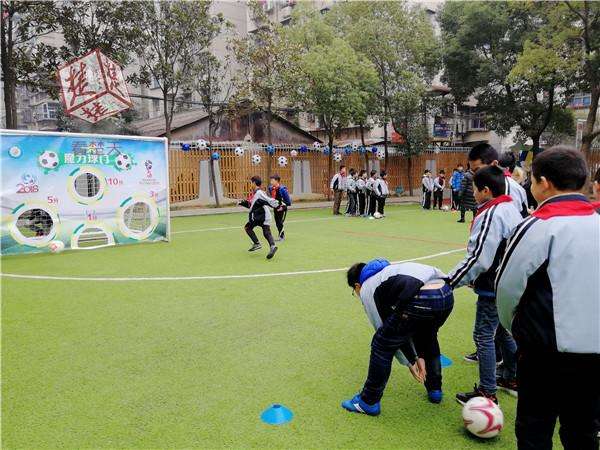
445,361
276,414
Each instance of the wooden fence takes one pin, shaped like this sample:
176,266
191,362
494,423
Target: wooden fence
184,167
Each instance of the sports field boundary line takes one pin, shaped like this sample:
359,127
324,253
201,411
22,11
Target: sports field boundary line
209,277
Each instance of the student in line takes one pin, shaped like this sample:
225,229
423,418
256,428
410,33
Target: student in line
361,188
427,185
381,191
439,183
351,191
548,295
372,197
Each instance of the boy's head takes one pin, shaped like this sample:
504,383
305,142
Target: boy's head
352,172
383,174
256,180
343,169
596,186
353,276
441,173
274,180
427,173
508,160
373,173
362,173
460,168
558,170
488,183
482,155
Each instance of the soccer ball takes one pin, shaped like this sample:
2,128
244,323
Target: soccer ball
482,417
377,215
256,159
380,153
294,153
317,145
14,152
56,246
445,208
202,144
282,161
239,151
48,160
337,157
123,162
354,146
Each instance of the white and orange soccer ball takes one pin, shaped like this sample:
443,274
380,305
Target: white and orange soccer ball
337,157
56,246
282,161
482,417
256,159
239,151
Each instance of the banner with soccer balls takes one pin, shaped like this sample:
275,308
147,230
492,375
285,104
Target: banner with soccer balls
65,190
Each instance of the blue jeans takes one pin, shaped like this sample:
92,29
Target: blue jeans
486,328
418,323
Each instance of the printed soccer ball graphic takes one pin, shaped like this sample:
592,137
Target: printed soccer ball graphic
48,160
294,153
56,246
123,162
317,145
380,153
482,417
354,146
282,161
14,152
337,157
256,159
239,151
202,144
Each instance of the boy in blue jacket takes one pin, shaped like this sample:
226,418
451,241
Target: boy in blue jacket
280,193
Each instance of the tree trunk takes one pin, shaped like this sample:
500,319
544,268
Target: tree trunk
362,140
409,175
385,144
269,139
588,132
10,77
213,177
167,118
536,144
330,164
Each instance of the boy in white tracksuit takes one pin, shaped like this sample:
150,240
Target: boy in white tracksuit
427,185
382,191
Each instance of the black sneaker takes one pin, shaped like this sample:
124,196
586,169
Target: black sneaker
472,358
509,386
281,237
464,397
255,247
271,252
461,220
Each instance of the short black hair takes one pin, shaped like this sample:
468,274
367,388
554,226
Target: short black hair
353,274
373,172
256,180
442,171
485,152
426,171
563,166
383,173
342,167
508,160
275,177
492,177
597,176
352,171
362,172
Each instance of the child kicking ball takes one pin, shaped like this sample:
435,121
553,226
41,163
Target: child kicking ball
260,216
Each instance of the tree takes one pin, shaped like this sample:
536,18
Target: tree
400,43
483,57
569,38
264,58
21,24
172,37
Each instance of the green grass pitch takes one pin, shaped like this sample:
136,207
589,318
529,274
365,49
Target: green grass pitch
192,363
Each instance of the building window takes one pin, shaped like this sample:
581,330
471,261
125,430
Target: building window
46,111
155,104
581,101
478,123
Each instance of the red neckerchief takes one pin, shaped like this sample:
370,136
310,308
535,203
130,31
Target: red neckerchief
570,207
507,173
251,196
487,205
274,190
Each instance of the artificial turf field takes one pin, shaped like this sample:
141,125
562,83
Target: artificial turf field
184,362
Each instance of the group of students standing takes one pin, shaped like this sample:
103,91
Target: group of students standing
537,280
366,193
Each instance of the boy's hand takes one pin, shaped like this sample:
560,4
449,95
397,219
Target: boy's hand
417,372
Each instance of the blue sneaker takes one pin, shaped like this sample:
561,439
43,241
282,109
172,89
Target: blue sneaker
435,396
357,405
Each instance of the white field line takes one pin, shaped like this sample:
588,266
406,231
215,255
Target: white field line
241,226
210,277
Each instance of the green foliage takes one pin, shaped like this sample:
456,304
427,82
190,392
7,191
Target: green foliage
484,57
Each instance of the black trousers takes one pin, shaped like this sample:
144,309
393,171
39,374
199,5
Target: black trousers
380,204
249,227
351,206
426,200
372,204
438,198
455,199
418,323
463,211
279,219
558,385
361,203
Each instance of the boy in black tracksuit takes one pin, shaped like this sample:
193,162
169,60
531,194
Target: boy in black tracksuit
361,187
439,183
280,193
371,195
382,191
259,216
